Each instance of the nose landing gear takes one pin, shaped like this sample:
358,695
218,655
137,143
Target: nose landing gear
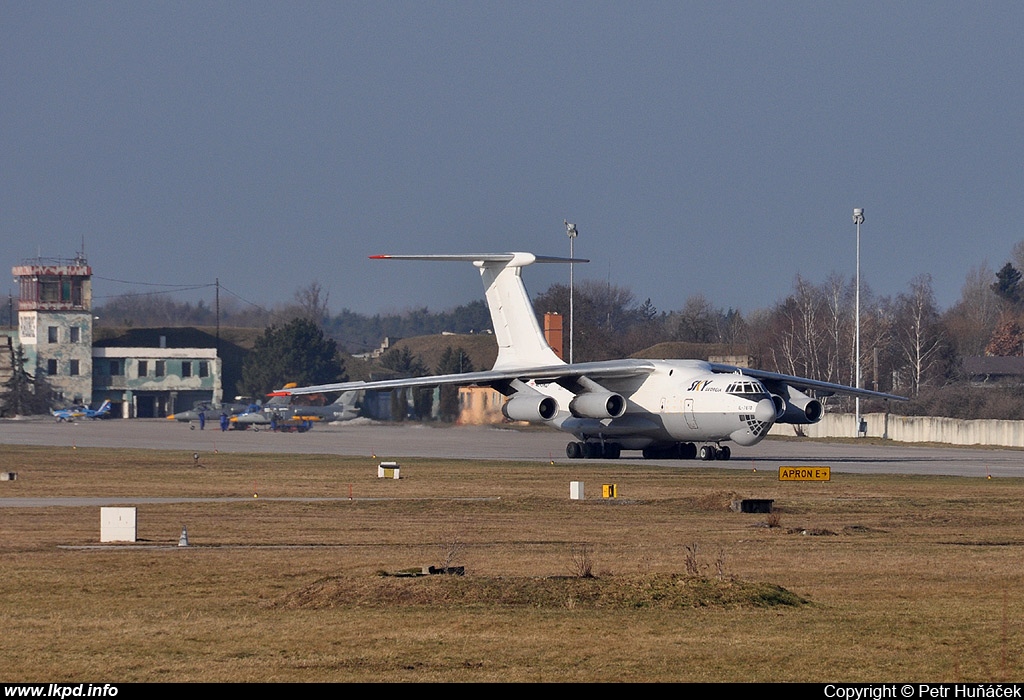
711,452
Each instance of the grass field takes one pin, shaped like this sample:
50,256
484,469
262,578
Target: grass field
863,578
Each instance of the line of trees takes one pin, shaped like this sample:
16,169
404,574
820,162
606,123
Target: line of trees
356,332
809,333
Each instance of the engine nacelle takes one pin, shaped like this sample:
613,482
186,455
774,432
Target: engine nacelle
780,406
533,408
801,409
598,404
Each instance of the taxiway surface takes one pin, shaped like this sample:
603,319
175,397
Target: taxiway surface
393,441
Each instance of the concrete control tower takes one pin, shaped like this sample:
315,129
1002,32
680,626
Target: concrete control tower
55,323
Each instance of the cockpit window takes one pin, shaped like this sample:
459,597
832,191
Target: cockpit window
748,389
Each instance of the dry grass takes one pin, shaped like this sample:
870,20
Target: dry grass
864,578
610,592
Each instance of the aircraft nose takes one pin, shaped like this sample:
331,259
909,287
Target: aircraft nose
765,411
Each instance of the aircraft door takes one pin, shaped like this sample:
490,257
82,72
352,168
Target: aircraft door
691,419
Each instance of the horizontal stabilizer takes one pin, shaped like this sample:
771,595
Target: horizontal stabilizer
518,259
521,343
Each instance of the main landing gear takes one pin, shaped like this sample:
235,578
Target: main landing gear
680,450
593,450
688,450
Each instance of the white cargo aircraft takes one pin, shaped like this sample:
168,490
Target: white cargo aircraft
666,408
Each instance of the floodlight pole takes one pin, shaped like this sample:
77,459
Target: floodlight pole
570,230
858,219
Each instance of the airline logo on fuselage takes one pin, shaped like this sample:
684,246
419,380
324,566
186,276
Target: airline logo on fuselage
703,385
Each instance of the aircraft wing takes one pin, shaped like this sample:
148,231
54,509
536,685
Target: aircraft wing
820,388
610,371
613,369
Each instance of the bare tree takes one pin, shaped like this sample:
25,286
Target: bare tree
312,302
837,294
971,321
604,316
697,321
1018,254
799,335
918,332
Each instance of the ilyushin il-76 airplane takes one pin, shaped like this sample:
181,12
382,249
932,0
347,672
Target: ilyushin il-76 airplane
665,408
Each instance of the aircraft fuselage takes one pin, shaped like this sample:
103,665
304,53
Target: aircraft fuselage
679,401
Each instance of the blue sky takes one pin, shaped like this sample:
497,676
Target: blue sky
701,148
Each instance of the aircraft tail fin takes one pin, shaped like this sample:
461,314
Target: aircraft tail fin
347,398
104,407
521,343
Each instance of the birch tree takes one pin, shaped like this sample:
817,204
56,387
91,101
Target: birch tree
918,332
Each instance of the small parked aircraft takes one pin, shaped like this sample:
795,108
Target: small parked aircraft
665,408
212,411
287,413
67,415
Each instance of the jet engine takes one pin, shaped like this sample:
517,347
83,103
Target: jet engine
801,409
598,404
532,407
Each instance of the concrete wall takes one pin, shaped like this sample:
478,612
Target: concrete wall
953,431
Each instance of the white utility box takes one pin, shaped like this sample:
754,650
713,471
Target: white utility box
117,524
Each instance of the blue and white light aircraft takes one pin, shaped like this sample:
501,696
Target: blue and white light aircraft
665,408
66,415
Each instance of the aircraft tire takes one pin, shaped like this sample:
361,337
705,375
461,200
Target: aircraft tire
612,450
707,452
724,452
686,450
573,450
